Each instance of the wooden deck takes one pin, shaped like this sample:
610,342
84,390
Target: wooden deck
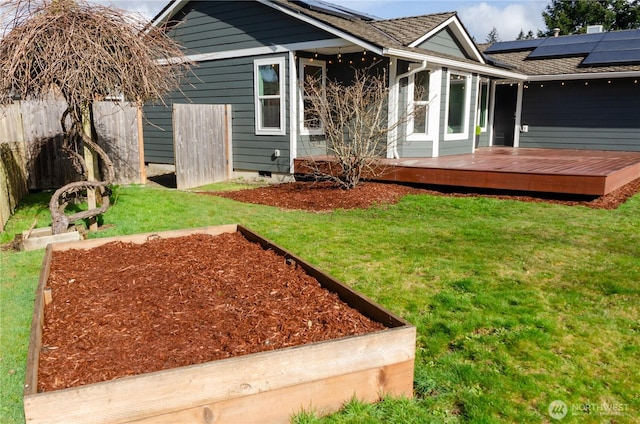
583,172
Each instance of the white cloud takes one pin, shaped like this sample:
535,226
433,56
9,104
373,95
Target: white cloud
507,18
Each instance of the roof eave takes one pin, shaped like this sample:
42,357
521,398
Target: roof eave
168,12
325,27
585,76
450,63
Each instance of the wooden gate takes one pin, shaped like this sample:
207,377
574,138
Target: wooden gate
202,143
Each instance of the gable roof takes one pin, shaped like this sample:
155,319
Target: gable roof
388,37
583,55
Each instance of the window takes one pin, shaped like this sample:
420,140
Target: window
314,70
414,99
421,102
483,105
269,92
458,106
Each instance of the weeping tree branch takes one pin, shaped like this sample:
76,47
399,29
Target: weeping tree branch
83,52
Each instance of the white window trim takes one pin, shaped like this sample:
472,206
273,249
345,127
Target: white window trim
432,105
321,64
482,82
280,61
465,134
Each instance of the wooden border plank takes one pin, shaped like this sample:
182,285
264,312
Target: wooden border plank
144,237
226,385
354,299
321,397
167,391
37,322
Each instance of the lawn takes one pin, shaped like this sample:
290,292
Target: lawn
517,305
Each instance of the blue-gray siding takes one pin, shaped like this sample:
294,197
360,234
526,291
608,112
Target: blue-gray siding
217,26
219,82
595,114
444,42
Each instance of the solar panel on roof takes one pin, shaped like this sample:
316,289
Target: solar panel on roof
573,39
616,48
633,34
616,57
335,10
561,50
624,44
507,46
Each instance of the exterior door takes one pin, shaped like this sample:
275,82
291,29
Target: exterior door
504,121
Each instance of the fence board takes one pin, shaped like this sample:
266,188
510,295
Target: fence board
13,178
47,166
201,134
30,147
117,127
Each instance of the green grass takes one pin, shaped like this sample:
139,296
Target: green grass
516,304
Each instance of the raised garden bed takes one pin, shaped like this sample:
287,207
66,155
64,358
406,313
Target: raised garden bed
210,340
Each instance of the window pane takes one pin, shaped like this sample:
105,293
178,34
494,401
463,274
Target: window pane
420,119
457,105
314,73
269,80
311,119
270,113
421,90
484,92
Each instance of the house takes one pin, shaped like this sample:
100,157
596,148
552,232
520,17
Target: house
581,92
254,54
561,92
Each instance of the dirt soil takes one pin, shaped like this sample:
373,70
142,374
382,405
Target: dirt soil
323,196
125,309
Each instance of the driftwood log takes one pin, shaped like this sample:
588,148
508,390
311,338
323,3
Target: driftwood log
60,221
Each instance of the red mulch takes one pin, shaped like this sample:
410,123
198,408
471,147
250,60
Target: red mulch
314,196
124,309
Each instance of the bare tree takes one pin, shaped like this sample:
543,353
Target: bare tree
353,118
84,53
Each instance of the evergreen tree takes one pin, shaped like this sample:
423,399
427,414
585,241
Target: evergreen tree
493,36
528,36
573,16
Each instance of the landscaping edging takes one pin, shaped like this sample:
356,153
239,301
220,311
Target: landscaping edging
270,385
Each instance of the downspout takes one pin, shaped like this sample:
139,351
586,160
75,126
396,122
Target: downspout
420,68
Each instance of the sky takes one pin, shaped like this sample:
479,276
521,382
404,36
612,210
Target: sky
478,17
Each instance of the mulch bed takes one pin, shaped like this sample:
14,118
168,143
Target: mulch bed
125,309
324,196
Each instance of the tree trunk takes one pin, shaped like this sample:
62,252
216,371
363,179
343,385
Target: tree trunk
60,222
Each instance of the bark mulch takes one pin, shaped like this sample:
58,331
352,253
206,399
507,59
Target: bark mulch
125,309
323,196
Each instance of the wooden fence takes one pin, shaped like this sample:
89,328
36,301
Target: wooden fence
202,143
31,136
30,154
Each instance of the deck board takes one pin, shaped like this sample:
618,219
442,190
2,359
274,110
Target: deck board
584,172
